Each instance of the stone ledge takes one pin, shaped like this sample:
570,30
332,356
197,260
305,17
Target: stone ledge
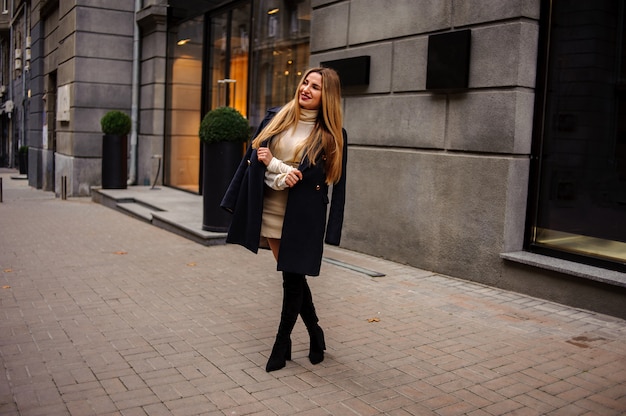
152,16
567,267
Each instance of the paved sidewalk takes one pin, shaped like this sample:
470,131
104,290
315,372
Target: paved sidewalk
102,314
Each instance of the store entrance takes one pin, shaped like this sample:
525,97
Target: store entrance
206,69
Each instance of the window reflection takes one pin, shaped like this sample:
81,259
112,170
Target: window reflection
230,46
280,53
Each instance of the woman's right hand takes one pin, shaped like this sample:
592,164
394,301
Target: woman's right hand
264,155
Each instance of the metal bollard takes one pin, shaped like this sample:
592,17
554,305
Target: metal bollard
156,178
63,187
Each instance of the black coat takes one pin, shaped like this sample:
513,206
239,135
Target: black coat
305,227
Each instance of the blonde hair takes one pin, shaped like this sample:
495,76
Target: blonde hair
327,136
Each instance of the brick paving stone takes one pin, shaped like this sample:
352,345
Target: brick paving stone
103,314
332,397
299,401
569,410
503,407
391,404
249,409
279,406
459,408
478,412
215,383
318,411
135,411
469,397
158,409
187,406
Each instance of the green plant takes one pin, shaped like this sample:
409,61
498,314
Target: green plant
116,123
23,150
224,124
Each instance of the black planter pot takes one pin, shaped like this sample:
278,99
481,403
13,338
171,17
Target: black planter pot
220,161
23,162
114,161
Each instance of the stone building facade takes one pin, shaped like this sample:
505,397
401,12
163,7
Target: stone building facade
482,180
489,182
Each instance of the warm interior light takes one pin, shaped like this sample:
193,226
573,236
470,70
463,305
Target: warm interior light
273,11
183,42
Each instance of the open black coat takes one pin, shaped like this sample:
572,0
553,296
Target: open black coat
305,227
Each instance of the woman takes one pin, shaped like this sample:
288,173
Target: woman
279,196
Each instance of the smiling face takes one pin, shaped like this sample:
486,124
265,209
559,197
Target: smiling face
310,94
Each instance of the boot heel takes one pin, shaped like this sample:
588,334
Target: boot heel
317,346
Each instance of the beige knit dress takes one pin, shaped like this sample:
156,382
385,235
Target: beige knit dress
283,148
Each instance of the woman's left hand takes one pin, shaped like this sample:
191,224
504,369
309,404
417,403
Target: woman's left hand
293,178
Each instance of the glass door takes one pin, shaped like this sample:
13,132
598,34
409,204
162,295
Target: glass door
228,50
229,40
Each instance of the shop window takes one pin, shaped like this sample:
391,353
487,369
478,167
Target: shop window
578,202
217,58
184,99
280,53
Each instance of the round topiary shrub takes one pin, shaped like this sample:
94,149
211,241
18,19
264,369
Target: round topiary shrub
115,123
224,124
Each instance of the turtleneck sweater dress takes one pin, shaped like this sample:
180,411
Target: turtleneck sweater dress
283,148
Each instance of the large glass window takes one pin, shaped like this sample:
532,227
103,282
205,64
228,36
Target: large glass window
184,100
248,68
580,207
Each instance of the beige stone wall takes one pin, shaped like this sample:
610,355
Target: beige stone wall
86,51
435,180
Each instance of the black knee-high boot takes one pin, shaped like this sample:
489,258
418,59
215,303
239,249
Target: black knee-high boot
292,303
307,312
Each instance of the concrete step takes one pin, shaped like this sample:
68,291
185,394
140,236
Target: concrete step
138,210
175,211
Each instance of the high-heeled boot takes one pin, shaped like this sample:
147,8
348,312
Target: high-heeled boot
292,302
316,334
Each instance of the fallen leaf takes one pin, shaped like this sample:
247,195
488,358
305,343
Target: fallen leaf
191,264
121,253
6,287
373,320
8,270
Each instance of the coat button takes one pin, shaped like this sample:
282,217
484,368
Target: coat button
317,187
248,162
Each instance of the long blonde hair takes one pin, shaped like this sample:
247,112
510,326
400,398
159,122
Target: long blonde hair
326,137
